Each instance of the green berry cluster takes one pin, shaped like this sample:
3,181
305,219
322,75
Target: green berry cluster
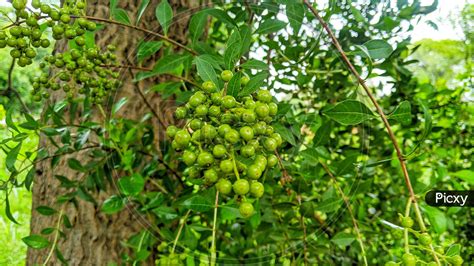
226,141
82,70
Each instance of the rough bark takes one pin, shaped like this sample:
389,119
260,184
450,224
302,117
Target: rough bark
95,238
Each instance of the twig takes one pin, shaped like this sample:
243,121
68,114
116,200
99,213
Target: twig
213,244
285,176
405,231
349,209
160,36
382,116
56,236
305,248
183,222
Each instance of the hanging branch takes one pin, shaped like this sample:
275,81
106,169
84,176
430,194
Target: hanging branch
382,115
160,36
349,209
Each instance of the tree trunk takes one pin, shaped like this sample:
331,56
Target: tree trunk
96,238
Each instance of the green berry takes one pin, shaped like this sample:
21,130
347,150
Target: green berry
247,151
228,101
201,110
195,124
254,171
209,86
246,133
407,222
241,187
264,96
262,110
244,80
256,189
232,136
272,160
182,138
211,175
219,151
226,75
246,209
224,186
455,260
249,116
424,239
205,159
181,112
409,259
270,144
226,166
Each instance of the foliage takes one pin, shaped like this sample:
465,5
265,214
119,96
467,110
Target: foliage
339,188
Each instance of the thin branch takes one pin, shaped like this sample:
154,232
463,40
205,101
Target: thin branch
10,87
160,36
285,176
305,246
183,222
56,236
382,116
349,209
214,229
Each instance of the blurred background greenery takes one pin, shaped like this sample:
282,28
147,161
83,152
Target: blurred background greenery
446,64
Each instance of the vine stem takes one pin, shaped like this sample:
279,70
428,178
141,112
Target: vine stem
183,222
405,231
351,213
55,241
214,229
382,116
160,36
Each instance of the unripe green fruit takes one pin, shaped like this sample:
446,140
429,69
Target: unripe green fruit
211,175
407,222
16,31
270,144
201,110
58,30
254,171
182,138
181,112
249,104
262,160
216,98
54,15
440,250
409,259
45,8
205,159
455,260
91,26
65,18
31,21
82,22
19,4
272,160
189,157
192,172
196,135
264,96
228,101
3,43
247,151
432,264
15,53
196,100
232,136
208,132
241,187
262,110
214,111
425,239
226,166
273,108
246,133
244,80
391,263
249,116
45,43
219,151
224,186
226,75
30,53
256,189
81,41
209,86
277,138
246,209
195,124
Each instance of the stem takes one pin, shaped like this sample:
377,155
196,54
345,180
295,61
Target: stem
349,209
236,171
55,241
139,29
382,116
213,244
183,222
405,231
305,248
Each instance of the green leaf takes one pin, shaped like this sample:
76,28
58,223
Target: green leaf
343,239
270,25
349,112
205,69
113,4
36,241
141,10
378,49
131,185
454,249
9,120
146,49
45,210
120,15
8,212
165,213
164,14
285,133
233,87
220,15
198,203
75,165
166,64
113,204
254,64
29,178
12,156
466,175
295,13
402,113
118,105
255,83
197,25
231,54
437,219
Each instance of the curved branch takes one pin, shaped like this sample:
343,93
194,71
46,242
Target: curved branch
382,116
